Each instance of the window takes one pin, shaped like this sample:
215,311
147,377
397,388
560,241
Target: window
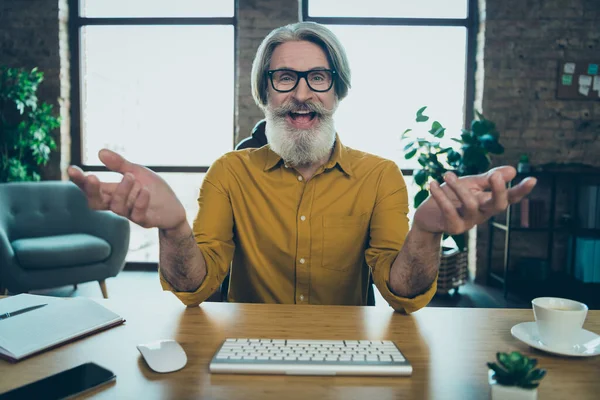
153,8
390,9
153,81
403,55
154,97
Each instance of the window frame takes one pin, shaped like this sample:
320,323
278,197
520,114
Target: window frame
77,22
470,23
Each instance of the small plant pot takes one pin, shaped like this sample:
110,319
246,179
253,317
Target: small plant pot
502,392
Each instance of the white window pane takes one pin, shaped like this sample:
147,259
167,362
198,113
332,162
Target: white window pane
389,8
143,245
162,95
395,71
154,8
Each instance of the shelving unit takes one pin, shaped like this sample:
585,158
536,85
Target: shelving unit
575,178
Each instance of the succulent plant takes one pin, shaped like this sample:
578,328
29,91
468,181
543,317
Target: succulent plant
516,369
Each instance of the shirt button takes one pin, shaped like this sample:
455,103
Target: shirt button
303,218
301,297
302,261
299,178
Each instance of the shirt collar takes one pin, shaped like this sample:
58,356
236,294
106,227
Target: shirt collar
340,157
272,158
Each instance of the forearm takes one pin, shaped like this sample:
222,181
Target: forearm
417,264
181,261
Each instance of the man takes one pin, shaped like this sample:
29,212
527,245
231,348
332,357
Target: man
303,219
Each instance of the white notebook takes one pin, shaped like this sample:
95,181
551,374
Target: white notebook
60,321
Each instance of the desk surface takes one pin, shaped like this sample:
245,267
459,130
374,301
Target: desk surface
448,348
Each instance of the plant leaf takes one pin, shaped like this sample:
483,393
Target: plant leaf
474,160
478,128
453,156
420,116
434,127
421,177
537,374
504,360
410,154
532,363
490,143
420,197
437,129
460,241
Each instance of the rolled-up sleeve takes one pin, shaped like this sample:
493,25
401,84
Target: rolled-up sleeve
213,232
388,229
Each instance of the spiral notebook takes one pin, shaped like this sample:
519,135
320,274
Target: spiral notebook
59,322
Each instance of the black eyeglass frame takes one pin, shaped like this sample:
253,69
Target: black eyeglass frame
302,74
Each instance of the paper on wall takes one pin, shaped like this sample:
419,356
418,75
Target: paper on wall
585,80
567,80
584,90
569,68
596,83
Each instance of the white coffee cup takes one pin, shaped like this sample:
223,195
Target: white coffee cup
558,320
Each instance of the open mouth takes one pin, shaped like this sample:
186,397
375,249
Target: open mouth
302,119
302,116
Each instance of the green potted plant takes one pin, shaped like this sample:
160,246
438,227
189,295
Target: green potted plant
25,126
514,377
472,157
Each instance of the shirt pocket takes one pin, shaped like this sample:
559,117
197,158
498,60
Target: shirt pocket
344,239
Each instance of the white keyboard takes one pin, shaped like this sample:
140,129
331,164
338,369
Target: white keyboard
309,357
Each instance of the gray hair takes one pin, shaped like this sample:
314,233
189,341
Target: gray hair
307,31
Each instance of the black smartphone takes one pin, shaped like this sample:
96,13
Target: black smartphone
64,384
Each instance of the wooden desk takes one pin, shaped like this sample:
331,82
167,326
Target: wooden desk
448,347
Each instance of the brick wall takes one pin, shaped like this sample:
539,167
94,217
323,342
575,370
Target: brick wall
520,45
256,19
29,37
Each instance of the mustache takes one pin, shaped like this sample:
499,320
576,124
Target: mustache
295,106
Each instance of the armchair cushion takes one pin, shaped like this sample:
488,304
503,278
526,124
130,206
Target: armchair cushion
60,251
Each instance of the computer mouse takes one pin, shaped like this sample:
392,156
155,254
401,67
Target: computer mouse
163,355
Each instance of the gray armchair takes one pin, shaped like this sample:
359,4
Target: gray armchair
49,237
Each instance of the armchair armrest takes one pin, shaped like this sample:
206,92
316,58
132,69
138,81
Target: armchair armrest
110,227
7,260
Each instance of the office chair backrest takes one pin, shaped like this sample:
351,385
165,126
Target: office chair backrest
257,139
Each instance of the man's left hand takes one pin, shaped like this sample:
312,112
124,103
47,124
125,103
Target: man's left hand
461,203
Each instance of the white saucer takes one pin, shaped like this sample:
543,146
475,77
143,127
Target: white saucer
588,343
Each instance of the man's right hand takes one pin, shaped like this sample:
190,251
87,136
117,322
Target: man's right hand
142,196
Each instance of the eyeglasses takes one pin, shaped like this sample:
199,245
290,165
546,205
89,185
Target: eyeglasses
286,80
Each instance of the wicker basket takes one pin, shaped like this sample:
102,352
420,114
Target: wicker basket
453,270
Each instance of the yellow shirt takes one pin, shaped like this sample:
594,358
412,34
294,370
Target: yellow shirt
291,241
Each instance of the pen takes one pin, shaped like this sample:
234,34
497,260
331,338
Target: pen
21,311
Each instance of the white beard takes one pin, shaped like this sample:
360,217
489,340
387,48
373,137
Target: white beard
300,147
